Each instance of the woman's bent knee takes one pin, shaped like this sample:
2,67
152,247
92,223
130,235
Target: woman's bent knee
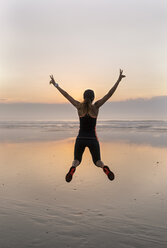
76,163
99,163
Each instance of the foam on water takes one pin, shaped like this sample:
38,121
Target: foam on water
150,132
148,125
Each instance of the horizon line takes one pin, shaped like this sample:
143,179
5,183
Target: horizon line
5,101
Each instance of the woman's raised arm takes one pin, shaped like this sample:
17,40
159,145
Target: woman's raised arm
64,93
100,102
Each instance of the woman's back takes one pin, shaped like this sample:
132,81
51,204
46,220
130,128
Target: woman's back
87,127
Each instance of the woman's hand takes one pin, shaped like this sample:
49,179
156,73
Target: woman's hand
121,75
52,81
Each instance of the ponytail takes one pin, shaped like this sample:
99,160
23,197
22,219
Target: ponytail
85,106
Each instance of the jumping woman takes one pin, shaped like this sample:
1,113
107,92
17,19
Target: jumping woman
88,113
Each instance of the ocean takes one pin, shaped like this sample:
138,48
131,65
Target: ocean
153,132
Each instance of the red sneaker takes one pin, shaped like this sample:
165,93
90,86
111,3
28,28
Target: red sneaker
109,173
70,174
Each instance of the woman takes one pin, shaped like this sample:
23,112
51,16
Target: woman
88,113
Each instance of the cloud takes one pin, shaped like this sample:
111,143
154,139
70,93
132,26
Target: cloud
147,108
141,108
3,99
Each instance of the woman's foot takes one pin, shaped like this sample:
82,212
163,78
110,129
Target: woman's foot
70,174
109,173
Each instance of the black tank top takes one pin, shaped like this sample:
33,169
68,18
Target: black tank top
87,127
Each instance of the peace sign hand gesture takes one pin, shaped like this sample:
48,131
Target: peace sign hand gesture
52,81
121,74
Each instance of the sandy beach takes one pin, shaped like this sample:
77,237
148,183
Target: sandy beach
39,209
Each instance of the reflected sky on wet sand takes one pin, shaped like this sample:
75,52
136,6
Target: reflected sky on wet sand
39,209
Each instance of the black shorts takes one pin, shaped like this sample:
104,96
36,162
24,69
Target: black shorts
93,146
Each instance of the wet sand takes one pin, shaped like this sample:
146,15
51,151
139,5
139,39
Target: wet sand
39,209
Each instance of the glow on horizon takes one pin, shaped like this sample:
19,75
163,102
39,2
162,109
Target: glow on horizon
48,94
83,44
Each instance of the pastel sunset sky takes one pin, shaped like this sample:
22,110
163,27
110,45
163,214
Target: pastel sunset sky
83,43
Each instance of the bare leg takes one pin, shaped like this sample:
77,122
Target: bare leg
75,163
100,163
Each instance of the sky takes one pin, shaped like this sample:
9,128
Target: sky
83,43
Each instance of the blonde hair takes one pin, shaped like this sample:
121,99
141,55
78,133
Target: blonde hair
85,106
